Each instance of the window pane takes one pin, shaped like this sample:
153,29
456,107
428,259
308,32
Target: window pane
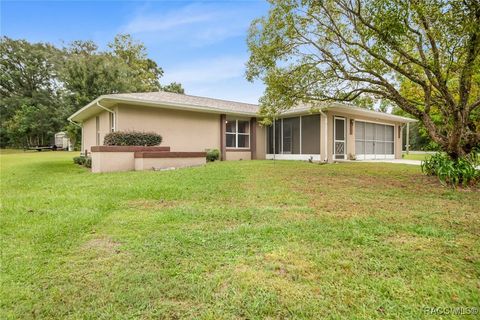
243,141
291,135
389,133
243,126
359,130
369,131
359,147
311,134
231,140
339,129
231,126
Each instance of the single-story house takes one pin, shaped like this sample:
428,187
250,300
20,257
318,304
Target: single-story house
192,124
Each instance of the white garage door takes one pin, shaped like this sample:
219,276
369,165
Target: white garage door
374,141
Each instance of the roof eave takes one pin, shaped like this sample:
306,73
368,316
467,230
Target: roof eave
159,104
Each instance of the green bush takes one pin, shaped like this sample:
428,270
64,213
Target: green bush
88,162
453,172
80,160
132,138
213,155
83,161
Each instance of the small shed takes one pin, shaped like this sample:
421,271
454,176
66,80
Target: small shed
62,141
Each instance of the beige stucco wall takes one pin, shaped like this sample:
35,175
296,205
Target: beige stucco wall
398,141
181,130
165,163
112,161
89,137
238,155
261,142
88,134
351,135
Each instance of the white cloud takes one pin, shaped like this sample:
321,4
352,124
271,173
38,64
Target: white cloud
164,22
207,71
219,77
195,24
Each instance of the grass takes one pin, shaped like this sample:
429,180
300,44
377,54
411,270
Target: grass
247,239
416,156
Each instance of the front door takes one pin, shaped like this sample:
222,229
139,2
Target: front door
339,137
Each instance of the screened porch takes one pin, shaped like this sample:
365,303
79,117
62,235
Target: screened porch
295,138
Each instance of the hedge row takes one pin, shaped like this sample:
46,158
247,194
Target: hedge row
132,138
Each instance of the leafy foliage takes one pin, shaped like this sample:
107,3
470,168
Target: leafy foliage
453,171
174,87
30,104
83,161
213,155
80,160
422,56
40,85
132,138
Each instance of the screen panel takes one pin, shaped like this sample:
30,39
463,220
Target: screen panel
291,135
380,132
369,131
359,147
271,137
389,133
389,148
339,129
359,130
311,134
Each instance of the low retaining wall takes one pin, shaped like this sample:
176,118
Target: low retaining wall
120,158
165,160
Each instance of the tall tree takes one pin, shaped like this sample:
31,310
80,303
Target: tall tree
40,85
28,87
174,87
341,50
145,72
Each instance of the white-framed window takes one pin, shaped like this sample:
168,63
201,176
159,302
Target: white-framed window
237,134
97,129
112,122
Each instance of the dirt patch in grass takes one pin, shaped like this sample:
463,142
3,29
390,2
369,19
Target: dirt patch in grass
152,204
105,245
410,240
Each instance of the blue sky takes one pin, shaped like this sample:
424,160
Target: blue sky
200,44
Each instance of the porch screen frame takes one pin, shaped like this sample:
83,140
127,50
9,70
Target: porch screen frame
375,140
279,154
344,155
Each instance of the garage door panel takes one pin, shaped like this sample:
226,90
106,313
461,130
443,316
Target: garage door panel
374,140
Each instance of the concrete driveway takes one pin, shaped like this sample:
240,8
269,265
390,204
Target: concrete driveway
399,161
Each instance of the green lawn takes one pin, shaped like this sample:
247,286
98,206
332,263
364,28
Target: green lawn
416,156
246,240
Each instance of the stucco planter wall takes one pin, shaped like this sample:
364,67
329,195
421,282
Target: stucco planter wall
120,158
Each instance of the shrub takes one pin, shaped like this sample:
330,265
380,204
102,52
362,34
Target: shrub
83,161
80,160
132,138
213,155
453,171
88,162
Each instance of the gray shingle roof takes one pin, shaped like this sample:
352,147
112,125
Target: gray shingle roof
184,99
195,103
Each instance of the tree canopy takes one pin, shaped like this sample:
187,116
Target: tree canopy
41,85
422,56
